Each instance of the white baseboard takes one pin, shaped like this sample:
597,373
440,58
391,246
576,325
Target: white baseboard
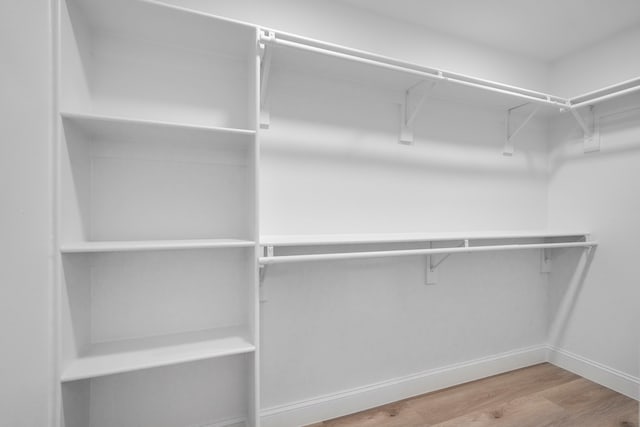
361,398
234,422
596,372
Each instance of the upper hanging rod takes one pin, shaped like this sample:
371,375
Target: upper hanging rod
412,252
419,71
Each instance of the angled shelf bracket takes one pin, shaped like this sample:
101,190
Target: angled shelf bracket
590,129
268,252
266,54
508,149
432,267
414,99
545,261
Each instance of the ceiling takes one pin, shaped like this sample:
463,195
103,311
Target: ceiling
542,29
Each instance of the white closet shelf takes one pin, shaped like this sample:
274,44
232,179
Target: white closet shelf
346,239
471,242
153,245
104,125
131,355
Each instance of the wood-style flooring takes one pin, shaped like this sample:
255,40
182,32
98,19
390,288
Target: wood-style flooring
539,396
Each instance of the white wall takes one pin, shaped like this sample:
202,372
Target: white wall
344,24
26,383
331,163
608,62
597,316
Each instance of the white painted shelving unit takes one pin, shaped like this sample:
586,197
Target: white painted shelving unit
157,201
157,197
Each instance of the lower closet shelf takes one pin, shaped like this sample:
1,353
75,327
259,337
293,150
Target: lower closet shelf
129,355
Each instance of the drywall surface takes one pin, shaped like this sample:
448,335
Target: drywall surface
608,62
25,214
594,305
358,28
331,163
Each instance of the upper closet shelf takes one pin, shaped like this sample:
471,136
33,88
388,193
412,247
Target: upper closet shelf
153,245
415,84
314,57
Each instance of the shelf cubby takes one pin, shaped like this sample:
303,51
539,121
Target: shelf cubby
137,310
146,60
203,393
132,180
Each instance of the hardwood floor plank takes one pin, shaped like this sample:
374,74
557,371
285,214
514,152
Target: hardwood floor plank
578,395
613,411
453,402
522,412
538,396
392,415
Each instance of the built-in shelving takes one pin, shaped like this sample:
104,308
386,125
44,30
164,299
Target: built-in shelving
153,245
130,179
157,199
130,355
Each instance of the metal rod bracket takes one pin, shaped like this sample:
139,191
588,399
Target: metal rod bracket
432,267
590,128
431,272
508,149
414,99
545,261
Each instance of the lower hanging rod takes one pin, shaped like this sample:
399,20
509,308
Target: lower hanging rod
412,252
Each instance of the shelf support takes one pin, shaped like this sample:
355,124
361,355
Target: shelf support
589,128
266,54
267,251
432,268
431,273
508,146
545,261
414,99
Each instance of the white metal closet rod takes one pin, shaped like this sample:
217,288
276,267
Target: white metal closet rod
541,98
606,97
413,252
